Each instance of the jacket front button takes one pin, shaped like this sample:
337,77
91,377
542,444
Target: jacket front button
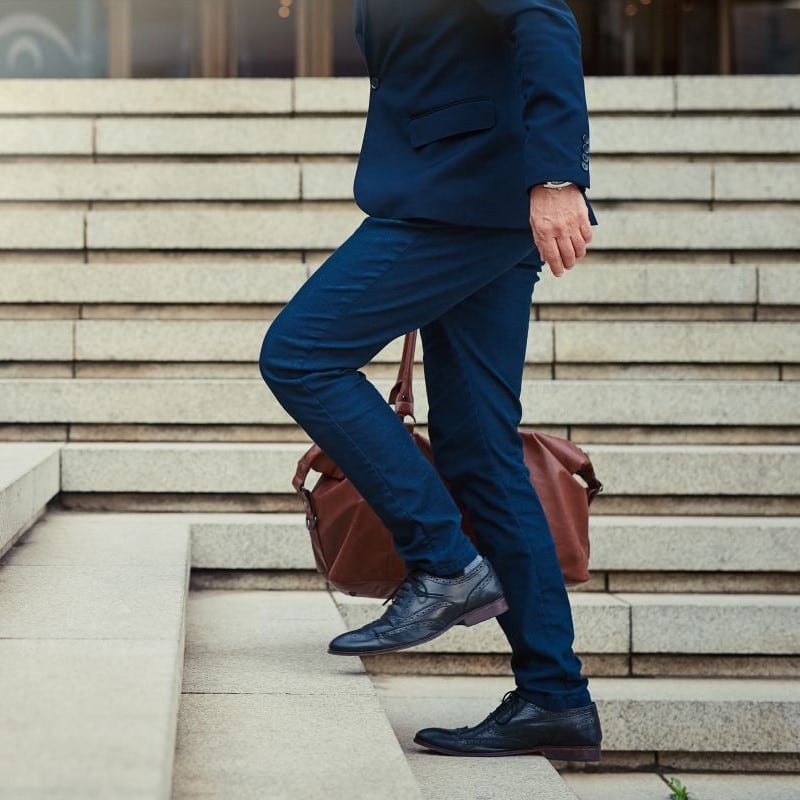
374,82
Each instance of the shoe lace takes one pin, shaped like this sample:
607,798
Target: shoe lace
506,709
500,715
410,587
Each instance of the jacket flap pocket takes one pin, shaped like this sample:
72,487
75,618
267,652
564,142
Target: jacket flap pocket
459,117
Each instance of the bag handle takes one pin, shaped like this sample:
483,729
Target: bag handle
304,466
594,486
401,396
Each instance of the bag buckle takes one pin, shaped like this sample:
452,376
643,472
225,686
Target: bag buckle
311,516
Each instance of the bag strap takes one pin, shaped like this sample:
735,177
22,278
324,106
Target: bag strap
401,397
594,486
304,465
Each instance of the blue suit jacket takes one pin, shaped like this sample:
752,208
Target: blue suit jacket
472,102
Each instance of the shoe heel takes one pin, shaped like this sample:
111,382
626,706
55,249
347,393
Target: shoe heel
483,613
591,753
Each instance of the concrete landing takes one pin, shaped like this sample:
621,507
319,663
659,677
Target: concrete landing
267,713
91,650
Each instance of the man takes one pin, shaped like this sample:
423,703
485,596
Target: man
473,171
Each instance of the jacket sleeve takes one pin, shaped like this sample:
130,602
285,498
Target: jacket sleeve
547,45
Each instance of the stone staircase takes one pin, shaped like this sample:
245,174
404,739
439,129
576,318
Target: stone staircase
150,231
92,621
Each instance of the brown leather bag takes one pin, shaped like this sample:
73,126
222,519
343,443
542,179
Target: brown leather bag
354,550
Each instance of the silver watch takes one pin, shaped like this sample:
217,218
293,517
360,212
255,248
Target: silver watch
557,184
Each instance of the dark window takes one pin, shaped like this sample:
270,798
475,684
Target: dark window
283,38
766,37
648,37
264,38
696,39
164,41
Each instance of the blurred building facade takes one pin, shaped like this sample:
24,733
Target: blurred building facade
285,38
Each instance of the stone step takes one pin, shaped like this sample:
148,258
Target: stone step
632,545
30,475
332,135
675,341
640,94
228,280
325,225
244,96
728,93
279,541
46,136
87,96
617,178
686,723
469,778
275,280
91,650
703,785
625,470
174,401
309,226
53,180
509,779
60,228
650,342
695,543
636,622
266,712
484,778
175,340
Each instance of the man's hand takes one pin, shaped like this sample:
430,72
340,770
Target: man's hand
560,224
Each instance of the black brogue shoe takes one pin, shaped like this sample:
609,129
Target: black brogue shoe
519,727
424,607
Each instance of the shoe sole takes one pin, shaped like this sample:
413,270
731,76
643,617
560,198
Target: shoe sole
474,617
558,753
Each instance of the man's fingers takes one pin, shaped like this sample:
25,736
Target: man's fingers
567,251
579,245
549,251
586,230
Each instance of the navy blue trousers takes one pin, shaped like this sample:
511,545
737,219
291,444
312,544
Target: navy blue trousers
469,292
